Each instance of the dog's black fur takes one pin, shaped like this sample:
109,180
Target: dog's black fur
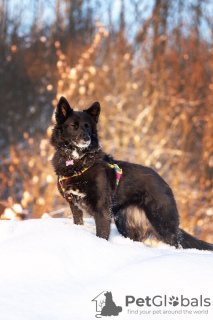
142,203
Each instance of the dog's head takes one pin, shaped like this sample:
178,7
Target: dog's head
75,128
108,295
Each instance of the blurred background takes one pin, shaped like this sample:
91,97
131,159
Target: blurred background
148,62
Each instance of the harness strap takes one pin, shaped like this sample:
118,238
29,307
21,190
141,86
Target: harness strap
118,171
61,178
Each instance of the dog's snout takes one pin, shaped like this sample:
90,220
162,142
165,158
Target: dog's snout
85,137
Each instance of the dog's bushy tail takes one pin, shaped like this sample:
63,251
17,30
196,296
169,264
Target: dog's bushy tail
187,241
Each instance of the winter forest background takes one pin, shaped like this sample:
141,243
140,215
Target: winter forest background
148,63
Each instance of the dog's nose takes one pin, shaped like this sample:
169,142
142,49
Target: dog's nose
85,137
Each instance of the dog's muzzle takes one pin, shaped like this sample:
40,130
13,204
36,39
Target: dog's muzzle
83,143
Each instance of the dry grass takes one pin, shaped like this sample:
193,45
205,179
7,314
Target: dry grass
156,101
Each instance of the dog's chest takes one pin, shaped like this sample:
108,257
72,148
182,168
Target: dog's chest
78,197
76,193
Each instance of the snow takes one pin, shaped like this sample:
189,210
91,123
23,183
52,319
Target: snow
52,269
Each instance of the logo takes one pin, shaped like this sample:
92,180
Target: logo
105,305
174,301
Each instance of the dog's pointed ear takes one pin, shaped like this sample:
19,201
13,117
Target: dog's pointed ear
94,111
63,110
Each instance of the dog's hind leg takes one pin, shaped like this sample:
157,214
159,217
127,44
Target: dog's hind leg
132,222
137,224
77,214
165,222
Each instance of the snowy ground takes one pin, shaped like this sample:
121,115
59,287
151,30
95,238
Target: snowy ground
51,269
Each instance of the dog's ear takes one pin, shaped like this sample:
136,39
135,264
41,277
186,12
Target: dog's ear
94,111
63,110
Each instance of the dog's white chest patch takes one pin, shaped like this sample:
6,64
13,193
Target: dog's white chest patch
76,193
75,154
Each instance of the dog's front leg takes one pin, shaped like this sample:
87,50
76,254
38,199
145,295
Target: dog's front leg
77,214
102,221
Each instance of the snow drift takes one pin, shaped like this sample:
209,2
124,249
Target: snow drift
51,269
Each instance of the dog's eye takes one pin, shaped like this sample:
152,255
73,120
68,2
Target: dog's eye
74,125
86,125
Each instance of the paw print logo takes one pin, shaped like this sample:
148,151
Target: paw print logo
173,301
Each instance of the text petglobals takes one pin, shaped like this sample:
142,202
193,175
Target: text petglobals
159,301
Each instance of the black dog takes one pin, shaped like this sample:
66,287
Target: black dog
138,199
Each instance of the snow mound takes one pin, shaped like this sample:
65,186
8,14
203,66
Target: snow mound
52,269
